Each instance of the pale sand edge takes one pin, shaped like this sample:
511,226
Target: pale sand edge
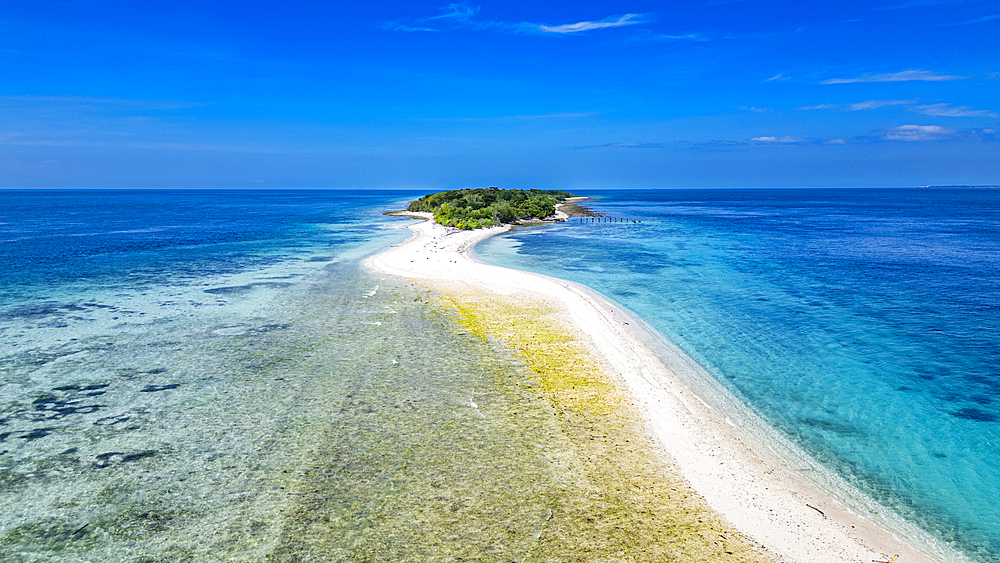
761,496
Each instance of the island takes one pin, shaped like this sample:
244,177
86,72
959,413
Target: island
477,208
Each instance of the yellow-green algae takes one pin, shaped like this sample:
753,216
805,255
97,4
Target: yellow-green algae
499,441
635,506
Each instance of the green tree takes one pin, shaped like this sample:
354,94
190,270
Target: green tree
475,208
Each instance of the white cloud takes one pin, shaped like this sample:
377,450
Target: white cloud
686,37
396,26
627,19
945,110
875,104
859,106
823,106
981,20
937,110
888,135
904,76
776,77
461,12
624,146
919,4
649,36
780,140
463,15
919,133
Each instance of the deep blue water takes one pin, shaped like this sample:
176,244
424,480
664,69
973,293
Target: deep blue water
862,323
164,355
49,238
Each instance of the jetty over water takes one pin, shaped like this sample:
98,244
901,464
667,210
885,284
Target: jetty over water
606,219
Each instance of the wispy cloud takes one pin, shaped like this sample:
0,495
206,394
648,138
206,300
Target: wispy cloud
396,26
612,21
698,37
624,146
776,77
463,15
781,140
904,76
901,133
94,102
860,106
152,145
945,110
920,4
564,114
460,15
919,133
936,110
554,115
763,141
983,19
914,133
754,109
875,104
973,21
459,12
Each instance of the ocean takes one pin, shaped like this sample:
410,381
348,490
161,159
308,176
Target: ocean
863,324
212,375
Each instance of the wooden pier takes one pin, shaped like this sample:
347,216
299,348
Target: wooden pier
605,219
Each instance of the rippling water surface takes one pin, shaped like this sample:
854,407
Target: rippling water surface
213,376
197,376
864,324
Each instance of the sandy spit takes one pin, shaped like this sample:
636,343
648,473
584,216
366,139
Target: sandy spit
765,499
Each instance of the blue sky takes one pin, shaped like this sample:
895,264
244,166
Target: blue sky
437,95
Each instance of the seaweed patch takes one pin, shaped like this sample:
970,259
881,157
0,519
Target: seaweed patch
112,420
155,388
38,311
637,507
28,435
240,289
108,459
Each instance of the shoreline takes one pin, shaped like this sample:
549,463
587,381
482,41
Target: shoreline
745,476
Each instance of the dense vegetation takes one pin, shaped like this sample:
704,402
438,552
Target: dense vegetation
486,207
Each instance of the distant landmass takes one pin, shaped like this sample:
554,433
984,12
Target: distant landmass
486,207
994,187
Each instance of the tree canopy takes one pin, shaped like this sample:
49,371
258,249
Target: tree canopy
486,207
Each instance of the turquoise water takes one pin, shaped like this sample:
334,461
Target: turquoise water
155,380
196,376
863,324
213,376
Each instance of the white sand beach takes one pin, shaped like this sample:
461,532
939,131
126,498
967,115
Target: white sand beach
765,499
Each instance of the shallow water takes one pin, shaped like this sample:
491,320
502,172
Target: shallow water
208,376
156,381
863,324
348,421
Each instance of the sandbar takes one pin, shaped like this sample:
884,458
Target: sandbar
738,474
